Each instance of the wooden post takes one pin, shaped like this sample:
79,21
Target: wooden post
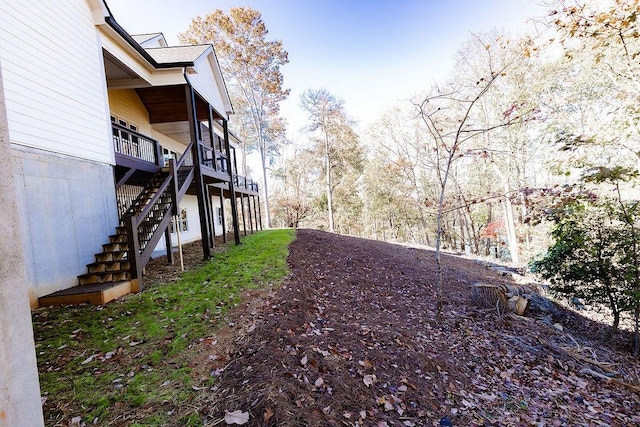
133,254
158,154
260,213
249,213
197,161
177,223
255,212
174,207
232,191
168,245
244,221
209,215
211,140
224,226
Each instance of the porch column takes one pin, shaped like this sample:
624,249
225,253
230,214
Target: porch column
20,403
249,213
209,211
168,245
255,211
197,161
244,221
260,213
224,225
232,191
211,140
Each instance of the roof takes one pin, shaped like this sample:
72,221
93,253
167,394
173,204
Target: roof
141,39
177,54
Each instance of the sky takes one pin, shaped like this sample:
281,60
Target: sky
371,54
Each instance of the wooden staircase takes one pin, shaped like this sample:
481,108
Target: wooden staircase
113,273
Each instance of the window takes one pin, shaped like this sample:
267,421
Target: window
168,154
183,225
220,216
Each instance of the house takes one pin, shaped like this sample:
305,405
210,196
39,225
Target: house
118,143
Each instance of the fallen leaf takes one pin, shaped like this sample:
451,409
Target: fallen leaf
369,379
365,364
304,360
89,359
319,382
236,417
268,413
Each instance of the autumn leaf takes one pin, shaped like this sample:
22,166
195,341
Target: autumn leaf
236,417
268,413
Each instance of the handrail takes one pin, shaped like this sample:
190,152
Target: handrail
134,144
161,189
208,155
140,250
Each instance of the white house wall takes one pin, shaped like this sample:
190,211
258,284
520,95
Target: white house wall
53,77
59,129
204,82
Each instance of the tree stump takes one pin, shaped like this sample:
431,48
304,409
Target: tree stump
501,297
489,296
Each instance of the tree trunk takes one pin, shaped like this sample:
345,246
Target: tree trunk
265,188
511,230
636,340
509,222
616,323
328,181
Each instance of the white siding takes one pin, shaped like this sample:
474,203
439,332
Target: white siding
204,82
53,77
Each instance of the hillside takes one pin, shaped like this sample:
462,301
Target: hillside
350,339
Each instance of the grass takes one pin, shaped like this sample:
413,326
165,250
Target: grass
132,355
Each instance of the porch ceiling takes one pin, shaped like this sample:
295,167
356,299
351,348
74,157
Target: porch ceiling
176,130
118,75
167,104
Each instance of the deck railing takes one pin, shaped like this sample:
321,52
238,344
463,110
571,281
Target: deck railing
241,182
136,145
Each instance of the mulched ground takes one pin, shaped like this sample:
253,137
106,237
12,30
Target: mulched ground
351,339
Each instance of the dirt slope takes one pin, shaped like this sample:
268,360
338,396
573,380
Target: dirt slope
350,339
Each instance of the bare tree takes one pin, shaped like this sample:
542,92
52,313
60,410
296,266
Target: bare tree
452,119
334,137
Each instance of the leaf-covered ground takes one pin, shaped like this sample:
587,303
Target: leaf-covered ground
351,339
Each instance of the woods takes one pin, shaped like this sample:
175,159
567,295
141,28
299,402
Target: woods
505,158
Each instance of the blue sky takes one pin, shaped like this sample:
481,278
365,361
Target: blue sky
371,54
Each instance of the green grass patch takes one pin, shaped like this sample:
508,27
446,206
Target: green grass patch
132,354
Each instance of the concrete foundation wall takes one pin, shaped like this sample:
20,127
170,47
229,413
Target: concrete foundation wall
20,403
67,210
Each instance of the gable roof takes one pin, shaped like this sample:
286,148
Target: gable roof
143,39
177,54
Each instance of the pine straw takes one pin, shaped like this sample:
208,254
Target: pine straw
355,308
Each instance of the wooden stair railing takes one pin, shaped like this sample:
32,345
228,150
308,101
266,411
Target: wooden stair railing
117,270
145,227
114,263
